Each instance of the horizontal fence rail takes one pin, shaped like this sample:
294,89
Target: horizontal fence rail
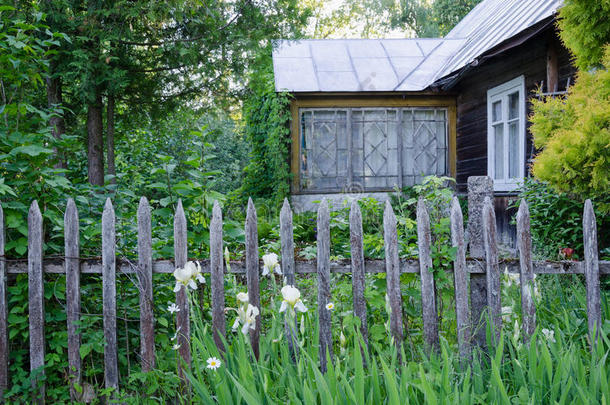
473,266
483,267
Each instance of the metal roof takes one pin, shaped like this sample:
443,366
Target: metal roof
355,65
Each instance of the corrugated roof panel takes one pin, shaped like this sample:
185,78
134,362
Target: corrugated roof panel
490,23
402,64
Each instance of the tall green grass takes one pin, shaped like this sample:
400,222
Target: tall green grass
564,371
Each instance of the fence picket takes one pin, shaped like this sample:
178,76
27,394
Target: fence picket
111,367
3,313
287,243
492,268
324,296
424,240
36,299
147,321
217,277
355,228
526,266
479,187
392,273
73,300
460,280
592,271
252,271
287,247
183,323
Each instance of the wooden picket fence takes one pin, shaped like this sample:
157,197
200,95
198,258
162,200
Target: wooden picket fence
481,270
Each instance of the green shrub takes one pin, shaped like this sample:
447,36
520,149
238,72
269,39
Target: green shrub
556,220
573,134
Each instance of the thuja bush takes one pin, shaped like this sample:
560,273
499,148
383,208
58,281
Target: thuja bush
573,134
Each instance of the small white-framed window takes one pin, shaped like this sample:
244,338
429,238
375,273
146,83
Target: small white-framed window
506,134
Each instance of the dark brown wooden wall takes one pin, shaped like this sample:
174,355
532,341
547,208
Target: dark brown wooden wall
528,59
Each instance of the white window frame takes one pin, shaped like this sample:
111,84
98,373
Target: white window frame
500,93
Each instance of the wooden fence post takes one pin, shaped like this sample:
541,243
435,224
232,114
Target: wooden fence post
428,295
479,187
111,367
144,273
460,278
3,314
36,299
287,246
183,323
357,250
217,277
492,268
252,270
526,266
324,296
73,300
392,273
594,316
287,243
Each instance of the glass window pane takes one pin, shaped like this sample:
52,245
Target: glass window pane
496,111
499,151
513,150
513,105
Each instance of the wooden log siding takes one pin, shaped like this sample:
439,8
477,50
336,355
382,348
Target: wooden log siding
73,266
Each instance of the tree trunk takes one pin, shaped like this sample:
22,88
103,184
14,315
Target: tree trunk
54,100
110,138
95,141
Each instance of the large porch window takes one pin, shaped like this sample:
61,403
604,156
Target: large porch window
370,149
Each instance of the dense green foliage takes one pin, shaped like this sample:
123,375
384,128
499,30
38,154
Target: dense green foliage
585,30
267,119
573,134
556,221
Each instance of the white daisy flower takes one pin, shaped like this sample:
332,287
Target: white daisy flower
213,363
173,308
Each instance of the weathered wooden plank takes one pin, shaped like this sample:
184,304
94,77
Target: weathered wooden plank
36,299
428,295
373,266
252,270
479,187
217,277
594,316
287,243
524,244
3,313
73,299
357,262
492,267
147,320
288,267
390,238
460,280
111,365
324,295
183,323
